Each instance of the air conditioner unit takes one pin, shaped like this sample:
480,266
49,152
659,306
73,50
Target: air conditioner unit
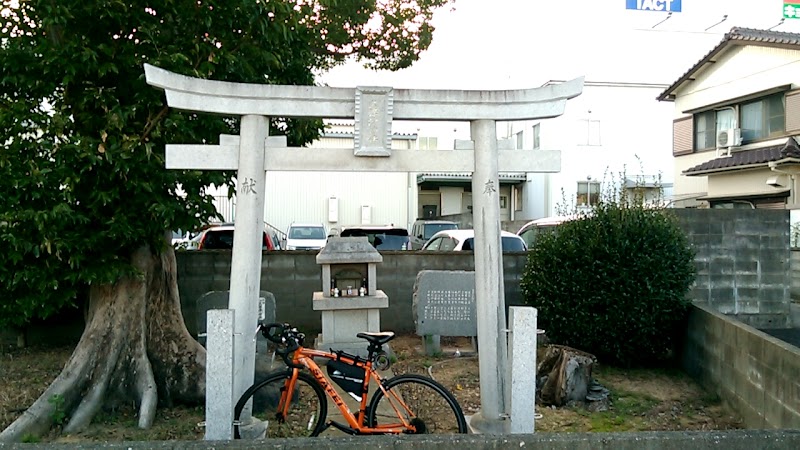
729,138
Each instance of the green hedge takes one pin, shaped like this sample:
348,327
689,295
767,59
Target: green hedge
613,283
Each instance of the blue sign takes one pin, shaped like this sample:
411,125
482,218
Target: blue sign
654,5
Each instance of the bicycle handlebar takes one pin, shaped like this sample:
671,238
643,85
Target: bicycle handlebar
287,336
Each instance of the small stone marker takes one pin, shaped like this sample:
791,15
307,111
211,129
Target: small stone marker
219,300
219,376
522,376
444,305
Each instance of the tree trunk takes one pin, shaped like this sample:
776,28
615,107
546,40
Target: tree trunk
135,348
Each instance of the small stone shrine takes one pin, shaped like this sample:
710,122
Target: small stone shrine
350,300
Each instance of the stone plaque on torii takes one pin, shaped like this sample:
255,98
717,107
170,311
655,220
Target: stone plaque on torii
373,108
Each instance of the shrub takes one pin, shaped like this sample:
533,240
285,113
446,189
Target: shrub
613,283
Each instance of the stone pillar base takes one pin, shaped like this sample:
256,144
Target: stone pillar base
480,425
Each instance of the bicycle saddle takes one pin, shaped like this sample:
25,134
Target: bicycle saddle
378,338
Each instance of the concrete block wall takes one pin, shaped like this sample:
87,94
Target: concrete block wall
795,286
752,371
742,261
293,277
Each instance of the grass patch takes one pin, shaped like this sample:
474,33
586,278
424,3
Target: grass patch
627,412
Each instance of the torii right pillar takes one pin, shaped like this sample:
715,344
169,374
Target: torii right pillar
489,289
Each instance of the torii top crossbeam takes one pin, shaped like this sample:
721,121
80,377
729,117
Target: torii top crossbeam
194,94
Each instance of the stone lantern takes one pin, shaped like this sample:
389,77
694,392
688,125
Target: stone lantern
350,300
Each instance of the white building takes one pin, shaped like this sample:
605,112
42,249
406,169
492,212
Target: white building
338,199
613,129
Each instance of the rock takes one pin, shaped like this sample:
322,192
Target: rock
568,372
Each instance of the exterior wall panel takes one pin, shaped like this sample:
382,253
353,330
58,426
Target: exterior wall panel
303,197
682,136
751,182
742,71
793,112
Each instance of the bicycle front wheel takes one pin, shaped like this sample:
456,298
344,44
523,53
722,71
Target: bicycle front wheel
421,401
305,415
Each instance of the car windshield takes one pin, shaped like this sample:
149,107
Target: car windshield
307,233
532,234
218,240
391,239
223,240
433,228
510,244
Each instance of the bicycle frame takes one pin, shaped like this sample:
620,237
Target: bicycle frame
304,356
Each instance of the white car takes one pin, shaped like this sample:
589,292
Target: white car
423,229
534,228
306,236
458,240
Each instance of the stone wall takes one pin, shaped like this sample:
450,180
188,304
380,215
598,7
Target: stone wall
795,286
753,372
652,440
742,260
293,277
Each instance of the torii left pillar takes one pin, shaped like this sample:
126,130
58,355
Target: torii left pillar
246,257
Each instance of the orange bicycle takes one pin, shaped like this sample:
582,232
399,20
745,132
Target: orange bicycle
293,403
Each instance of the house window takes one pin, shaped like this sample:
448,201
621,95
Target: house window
758,119
708,123
591,132
588,193
519,140
762,118
427,143
536,141
705,130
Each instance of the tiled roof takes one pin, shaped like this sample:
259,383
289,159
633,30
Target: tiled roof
748,158
737,36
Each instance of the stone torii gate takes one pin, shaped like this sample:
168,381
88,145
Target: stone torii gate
373,109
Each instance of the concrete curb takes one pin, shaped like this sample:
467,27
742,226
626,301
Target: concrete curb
659,440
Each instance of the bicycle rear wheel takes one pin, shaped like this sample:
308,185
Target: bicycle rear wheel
307,409
432,409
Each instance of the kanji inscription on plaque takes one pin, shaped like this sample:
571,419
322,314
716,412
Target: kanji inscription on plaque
444,303
373,121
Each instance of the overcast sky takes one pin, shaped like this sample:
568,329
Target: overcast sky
502,44
518,44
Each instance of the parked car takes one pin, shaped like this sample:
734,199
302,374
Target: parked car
180,239
424,229
306,236
276,241
220,237
464,240
534,228
382,237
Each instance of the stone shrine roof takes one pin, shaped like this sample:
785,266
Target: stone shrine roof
348,250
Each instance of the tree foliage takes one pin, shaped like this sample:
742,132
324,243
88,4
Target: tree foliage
82,177
613,282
